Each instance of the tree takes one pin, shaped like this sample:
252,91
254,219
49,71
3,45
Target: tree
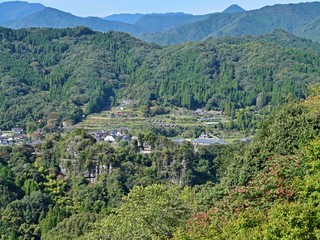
23,215
153,212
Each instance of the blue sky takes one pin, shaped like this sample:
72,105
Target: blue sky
107,7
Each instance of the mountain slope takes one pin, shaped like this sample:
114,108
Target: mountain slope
311,30
191,32
290,17
59,74
293,18
163,22
53,18
285,39
125,18
218,72
156,21
16,10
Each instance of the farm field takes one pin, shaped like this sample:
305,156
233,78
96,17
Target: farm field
183,121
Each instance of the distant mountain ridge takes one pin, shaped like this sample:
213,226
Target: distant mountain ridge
167,21
234,8
53,18
301,19
125,17
16,10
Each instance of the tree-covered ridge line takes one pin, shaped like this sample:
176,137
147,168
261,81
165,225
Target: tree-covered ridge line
56,72
55,75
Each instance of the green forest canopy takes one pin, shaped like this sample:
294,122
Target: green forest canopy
60,74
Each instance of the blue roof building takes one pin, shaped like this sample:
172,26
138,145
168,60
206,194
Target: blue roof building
208,141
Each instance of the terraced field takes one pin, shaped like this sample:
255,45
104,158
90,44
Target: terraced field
135,121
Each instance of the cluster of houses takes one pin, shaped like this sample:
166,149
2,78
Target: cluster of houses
110,136
209,117
15,137
125,104
205,140
203,112
119,113
118,135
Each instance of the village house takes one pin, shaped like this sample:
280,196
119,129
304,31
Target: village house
128,102
119,134
4,141
208,141
199,112
203,135
17,130
99,135
110,139
205,140
17,136
118,114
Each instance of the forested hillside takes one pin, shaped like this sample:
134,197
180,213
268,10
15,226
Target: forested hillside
61,74
56,75
263,190
219,73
